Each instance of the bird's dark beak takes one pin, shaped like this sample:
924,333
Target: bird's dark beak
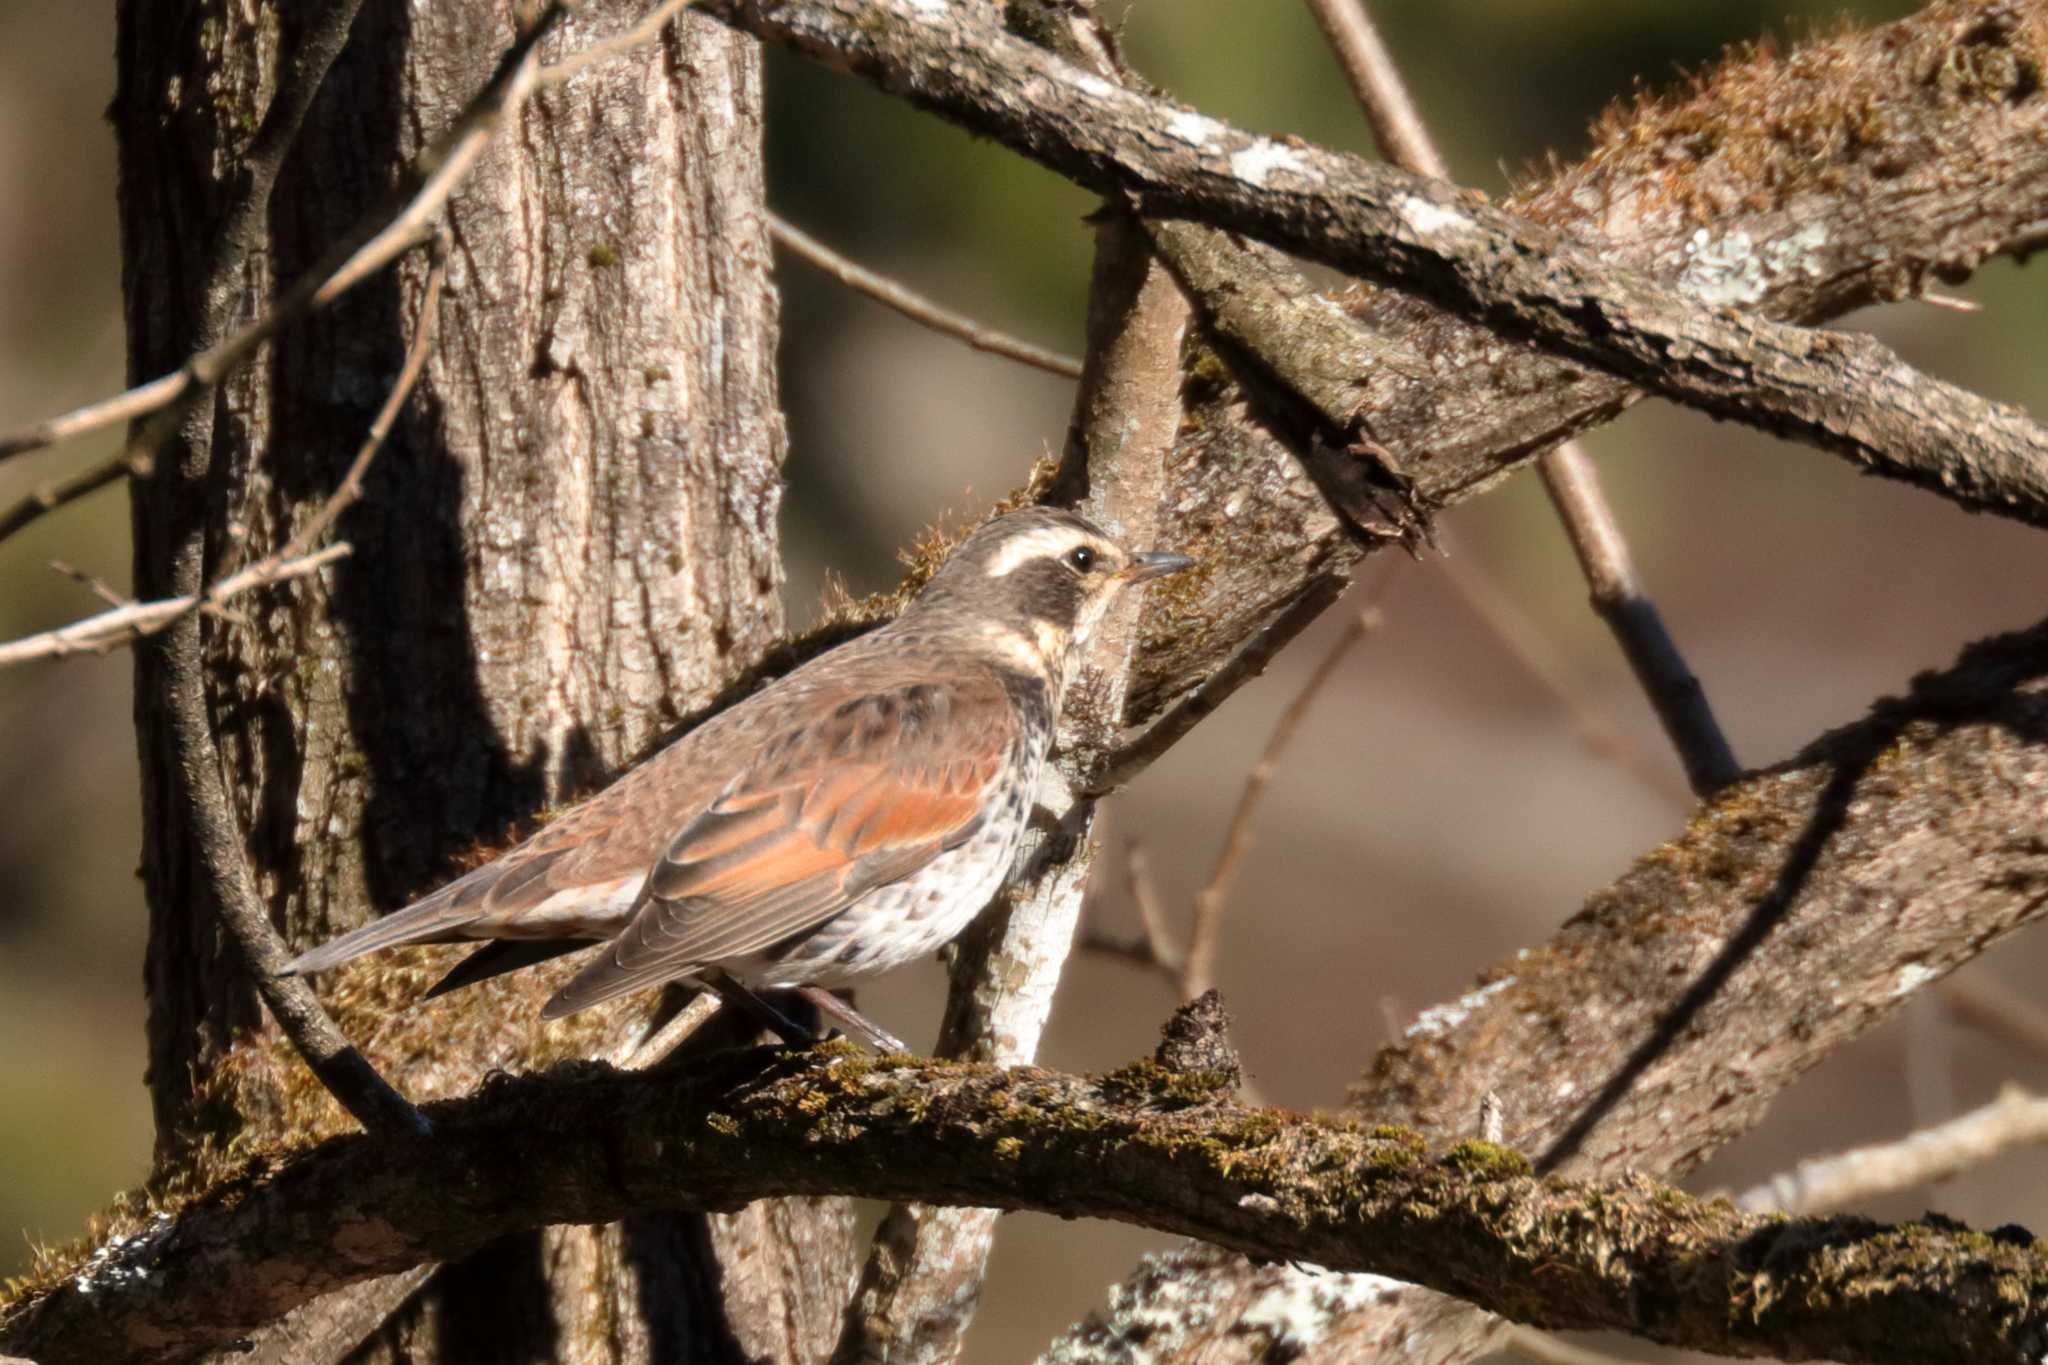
1155,564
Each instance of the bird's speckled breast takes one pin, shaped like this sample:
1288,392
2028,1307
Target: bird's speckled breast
913,918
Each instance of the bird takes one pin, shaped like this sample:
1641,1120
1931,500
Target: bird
849,818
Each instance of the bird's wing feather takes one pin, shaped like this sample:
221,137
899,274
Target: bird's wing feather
587,849
865,795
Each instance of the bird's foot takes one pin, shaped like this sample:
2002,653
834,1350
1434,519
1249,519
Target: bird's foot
857,1024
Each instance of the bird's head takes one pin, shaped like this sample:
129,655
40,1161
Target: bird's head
1038,581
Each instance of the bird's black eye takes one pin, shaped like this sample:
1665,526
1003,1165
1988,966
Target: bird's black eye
1081,558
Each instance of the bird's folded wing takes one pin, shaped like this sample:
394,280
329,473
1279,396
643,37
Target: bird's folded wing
879,786
546,887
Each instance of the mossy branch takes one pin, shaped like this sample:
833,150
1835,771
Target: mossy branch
1148,1145
1513,275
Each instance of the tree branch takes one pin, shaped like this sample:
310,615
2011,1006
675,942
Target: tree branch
1844,1179
1568,472
915,306
129,622
922,1282
1148,1145
1661,1021
1690,980
1949,181
1843,392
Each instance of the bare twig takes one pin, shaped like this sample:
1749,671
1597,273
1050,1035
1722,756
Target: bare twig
124,625
1141,750
1994,1009
128,622
919,309
350,488
1153,948
377,239
1842,392
1569,475
652,1049
48,497
1820,1184
98,587
1618,595
1377,85
645,31
1159,938
1206,930
139,401
1527,646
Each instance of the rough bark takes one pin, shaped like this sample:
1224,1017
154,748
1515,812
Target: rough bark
1887,854
1149,1144
570,544
1865,167
1886,151
1521,279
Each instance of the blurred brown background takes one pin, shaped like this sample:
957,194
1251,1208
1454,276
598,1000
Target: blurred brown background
1439,811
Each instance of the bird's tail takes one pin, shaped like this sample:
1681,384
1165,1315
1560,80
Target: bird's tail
421,922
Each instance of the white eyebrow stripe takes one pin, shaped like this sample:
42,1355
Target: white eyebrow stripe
1032,545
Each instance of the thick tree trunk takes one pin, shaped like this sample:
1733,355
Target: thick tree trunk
567,545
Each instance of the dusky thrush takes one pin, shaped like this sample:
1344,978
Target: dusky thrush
847,819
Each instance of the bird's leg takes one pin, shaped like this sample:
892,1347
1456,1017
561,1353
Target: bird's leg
736,992
857,1023
660,1043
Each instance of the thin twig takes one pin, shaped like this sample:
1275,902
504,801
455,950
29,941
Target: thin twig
1206,930
643,32
1994,1009
124,625
1569,475
48,497
350,489
919,309
97,416
98,587
128,622
651,1049
1141,750
1144,891
1847,1179
1528,647
374,242
1153,947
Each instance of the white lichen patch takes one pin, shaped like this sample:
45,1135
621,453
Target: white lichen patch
1299,1312
1170,1298
1911,978
1737,269
1174,1299
119,1260
1093,86
1426,215
1438,1020
1195,129
1258,160
930,6
1799,252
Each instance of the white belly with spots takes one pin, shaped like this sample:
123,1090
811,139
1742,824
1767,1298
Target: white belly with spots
907,920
